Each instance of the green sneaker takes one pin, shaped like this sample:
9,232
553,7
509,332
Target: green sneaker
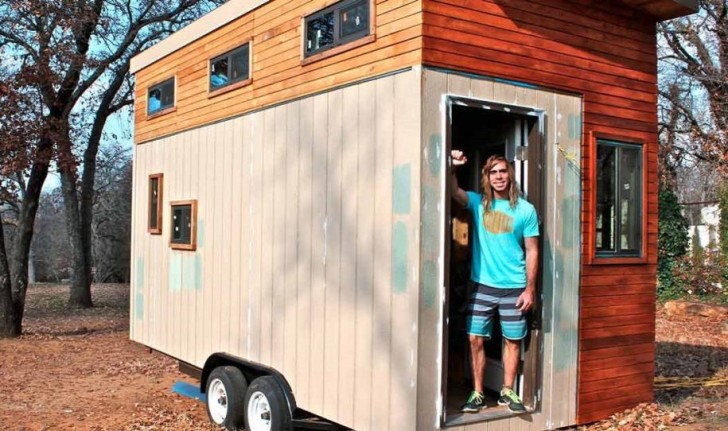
510,399
476,402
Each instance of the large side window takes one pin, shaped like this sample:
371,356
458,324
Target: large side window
183,234
336,25
160,97
619,192
230,68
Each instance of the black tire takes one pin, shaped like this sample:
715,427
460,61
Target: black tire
225,393
265,391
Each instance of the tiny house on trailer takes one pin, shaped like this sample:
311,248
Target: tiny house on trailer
294,241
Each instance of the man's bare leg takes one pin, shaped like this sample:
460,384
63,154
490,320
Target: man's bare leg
477,354
511,354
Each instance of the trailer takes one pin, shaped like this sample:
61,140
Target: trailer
294,243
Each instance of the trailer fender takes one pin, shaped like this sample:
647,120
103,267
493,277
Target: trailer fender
251,370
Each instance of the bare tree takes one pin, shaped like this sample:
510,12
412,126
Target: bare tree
25,153
112,217
694,90
50,241
72,57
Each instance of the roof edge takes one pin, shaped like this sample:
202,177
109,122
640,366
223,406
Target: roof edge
203,26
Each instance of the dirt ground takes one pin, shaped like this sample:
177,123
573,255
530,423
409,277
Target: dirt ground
77,370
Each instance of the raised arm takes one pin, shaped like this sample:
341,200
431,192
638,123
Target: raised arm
458,194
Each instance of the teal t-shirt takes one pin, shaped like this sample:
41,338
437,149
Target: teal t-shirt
499,256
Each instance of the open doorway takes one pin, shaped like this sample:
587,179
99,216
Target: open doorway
480,130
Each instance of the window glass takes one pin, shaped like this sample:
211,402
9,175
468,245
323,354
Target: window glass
230,67
219,73
161,96
354,19
239,64
320,33
630,199
153,203
181,224
338,24
605,198
618,199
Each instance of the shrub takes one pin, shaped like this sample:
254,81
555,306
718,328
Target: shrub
700,280
672,242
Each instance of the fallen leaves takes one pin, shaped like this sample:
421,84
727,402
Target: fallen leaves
691,379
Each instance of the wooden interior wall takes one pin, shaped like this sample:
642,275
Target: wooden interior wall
606,52
277,71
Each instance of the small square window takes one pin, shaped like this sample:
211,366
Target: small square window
619,189
184,225
336,25
229,68
156,182
160,97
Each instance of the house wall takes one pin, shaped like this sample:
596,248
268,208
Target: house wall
278,72
607,52
559,152
307,251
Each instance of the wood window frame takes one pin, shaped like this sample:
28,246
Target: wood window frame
592,257
235,84
192,245
336,49
157,230
168,109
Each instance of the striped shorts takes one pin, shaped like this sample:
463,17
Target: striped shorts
481,311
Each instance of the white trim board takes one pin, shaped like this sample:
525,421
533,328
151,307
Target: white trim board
224,14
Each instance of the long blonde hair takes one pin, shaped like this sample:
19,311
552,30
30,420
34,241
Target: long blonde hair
513,192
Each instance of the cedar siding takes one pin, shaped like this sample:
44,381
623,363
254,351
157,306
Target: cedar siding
607,53
278,71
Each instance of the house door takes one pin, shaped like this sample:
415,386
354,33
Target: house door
479,132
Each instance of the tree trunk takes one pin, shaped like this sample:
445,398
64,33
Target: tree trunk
14,271
9,326
79,217
80,271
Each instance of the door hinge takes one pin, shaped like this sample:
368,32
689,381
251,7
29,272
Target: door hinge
521,153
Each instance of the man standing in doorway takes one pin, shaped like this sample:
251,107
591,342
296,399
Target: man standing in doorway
504,268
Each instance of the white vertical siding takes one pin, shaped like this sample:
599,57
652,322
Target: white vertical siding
295,264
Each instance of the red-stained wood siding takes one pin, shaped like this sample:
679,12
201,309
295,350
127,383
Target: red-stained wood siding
606,52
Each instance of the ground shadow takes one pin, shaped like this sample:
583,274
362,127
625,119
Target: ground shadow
684,370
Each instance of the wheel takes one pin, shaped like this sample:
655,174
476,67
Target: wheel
265,406
226,389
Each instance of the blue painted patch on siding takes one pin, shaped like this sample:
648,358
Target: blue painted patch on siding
574,126
175,271
516,83
188,280
430,220
198,271
429,283
434,154
139,290
401,192
200,233
400,245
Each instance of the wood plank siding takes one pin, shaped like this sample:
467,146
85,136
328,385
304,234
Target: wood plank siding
278,72
606,52
289,270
